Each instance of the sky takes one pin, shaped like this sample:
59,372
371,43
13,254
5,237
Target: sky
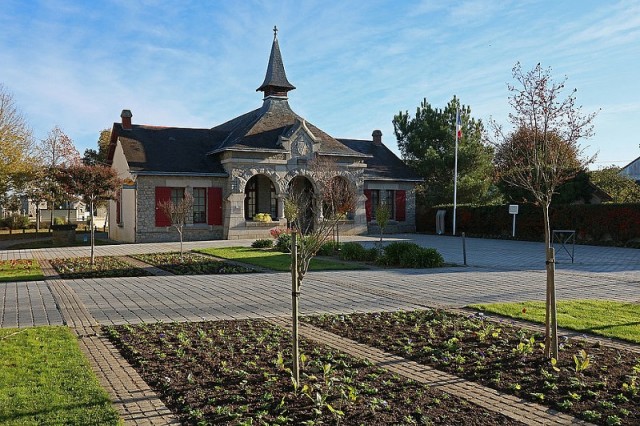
355,64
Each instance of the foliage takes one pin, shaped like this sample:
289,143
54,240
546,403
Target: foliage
262,217
621,188
103,267
383,215
404,254
16,145
15,221
234,372
45,379
191,264
20,270
356,252
283,243
427,144
92,157
616,223
601,317
93,184
329,248
262,243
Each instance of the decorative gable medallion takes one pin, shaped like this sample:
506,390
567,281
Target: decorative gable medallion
301,146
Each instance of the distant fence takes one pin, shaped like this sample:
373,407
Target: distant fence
618,223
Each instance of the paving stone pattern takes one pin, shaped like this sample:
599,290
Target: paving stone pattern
497,271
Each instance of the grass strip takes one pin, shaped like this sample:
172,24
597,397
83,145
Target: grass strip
602,317
45,379
274,260
20,270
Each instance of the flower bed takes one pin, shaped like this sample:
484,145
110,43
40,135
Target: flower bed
191,264
104,267
235,372
596,383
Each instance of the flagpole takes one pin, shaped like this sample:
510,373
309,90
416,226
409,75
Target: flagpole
455,170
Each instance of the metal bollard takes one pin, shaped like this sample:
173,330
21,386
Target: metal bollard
464,250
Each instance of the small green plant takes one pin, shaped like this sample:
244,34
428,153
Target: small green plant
581,361
591,415
525,348
353,251
262,243
614,420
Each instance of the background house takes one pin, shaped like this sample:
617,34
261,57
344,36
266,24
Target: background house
244,167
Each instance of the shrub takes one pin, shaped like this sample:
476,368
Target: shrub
16,221
262,217
59,221
352,251
328,248
409,255
283,243
262,243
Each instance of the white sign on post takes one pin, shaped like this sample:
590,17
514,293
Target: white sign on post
513,210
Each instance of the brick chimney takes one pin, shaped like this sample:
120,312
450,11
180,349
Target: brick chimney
377,137
126,119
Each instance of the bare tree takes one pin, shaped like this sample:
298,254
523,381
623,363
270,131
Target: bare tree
335,198
54,152
178,212
541,153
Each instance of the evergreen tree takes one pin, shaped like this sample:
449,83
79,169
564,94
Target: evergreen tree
427,143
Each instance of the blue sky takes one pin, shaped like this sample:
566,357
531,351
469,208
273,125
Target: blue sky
77,64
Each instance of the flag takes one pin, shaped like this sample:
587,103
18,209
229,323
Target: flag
458,125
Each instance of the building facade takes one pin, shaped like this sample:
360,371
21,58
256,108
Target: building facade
247,166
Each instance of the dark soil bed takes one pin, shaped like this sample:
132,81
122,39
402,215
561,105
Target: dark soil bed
191,264
104,267
590,381
236,372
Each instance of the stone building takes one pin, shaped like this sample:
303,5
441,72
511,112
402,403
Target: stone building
244,167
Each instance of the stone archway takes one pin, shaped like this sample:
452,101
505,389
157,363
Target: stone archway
260,197
302,193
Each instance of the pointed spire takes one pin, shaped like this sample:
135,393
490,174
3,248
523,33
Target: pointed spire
275,81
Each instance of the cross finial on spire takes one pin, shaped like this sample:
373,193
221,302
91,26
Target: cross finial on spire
275,32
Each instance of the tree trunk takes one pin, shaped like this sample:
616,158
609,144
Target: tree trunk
295,294
551,313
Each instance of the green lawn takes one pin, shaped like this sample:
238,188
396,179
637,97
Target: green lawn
605,318
45,380
20,270
274,260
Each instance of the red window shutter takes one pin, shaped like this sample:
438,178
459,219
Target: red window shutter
163,194
214,206
401,201
367,204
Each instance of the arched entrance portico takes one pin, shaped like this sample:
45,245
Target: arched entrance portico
302,193
260,197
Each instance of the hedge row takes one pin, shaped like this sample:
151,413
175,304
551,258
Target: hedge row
619,223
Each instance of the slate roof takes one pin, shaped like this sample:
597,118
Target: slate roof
275,76
168,150
382,163
260,130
